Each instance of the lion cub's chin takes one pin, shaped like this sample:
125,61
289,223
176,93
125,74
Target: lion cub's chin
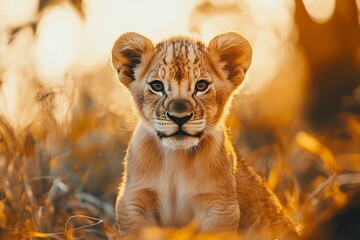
183,143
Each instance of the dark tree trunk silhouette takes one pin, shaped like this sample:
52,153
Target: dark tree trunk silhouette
332,52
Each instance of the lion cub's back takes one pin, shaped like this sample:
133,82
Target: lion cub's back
259,206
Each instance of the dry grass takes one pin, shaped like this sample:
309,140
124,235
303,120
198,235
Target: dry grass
60,185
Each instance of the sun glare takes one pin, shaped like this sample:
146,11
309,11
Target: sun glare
320,10
273,23
58,40
106,20
17,12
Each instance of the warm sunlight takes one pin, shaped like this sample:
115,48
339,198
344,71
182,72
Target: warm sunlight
106,20
58,42
320,10
17,12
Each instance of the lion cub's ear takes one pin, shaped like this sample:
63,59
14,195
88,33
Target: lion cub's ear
234,52
128,52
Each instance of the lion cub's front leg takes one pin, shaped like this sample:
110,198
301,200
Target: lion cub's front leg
221,213
136,210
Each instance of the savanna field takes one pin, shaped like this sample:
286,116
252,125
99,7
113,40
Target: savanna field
65,120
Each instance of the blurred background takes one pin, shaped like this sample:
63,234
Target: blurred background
65,121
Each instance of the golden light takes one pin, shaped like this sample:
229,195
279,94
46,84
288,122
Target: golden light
320,10
272,21
106,20
17,12
17,90
58,42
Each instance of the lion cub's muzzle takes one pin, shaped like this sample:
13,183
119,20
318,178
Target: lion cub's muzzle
180,126
181,121
180,131
180,134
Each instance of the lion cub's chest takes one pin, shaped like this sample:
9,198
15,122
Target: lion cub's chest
176,190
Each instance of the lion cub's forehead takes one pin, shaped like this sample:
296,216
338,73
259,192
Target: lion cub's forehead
180,55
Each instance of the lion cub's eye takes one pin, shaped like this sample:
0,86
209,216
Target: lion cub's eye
202,86
157,86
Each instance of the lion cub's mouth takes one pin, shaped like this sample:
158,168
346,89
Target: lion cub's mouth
180,139
179,134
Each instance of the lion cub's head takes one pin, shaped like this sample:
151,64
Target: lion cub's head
180,86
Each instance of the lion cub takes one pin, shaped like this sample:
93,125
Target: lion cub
180,165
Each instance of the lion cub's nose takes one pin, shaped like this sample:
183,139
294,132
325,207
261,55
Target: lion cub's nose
179,111
179,108
180,120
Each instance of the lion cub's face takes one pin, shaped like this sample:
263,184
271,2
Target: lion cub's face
180,86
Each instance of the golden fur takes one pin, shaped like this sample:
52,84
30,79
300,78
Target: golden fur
176,172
